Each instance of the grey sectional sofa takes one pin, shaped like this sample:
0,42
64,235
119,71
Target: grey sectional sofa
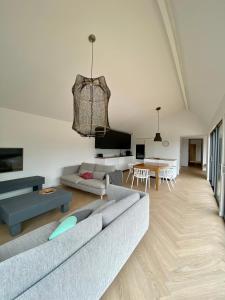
97,185
81,263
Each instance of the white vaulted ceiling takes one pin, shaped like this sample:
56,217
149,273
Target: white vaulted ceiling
200,28
44,44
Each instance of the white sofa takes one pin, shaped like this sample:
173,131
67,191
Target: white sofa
71,177
81,263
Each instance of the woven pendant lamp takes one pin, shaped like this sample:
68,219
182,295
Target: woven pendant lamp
90,102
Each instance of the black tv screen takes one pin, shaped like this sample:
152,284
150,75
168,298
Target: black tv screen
113,140
11,159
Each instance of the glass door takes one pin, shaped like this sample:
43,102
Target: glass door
219,162
216,140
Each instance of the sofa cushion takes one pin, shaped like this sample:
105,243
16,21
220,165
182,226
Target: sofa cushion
104,168
33,266
98,175
74,178
62,227
87,175
113,211
27,241
102,207
86,167
97,184
80,215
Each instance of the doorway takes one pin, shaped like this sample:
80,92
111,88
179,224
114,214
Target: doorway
195,153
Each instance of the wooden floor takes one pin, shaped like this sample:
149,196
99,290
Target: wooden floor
181,257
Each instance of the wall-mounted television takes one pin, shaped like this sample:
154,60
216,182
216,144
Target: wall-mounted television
11,159
113,140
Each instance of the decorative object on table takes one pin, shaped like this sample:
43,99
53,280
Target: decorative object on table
91,98
158,137
47,191
165,143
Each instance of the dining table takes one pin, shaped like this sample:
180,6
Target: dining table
154,167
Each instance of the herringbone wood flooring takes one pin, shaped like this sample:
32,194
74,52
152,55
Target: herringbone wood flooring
181,257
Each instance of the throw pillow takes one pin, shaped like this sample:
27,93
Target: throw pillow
99,175
87,175
102,207
80,215
67,224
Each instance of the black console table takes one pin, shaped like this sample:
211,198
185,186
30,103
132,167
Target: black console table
21,183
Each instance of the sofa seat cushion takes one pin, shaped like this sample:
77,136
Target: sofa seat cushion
27,241
74,178
95,183
111,212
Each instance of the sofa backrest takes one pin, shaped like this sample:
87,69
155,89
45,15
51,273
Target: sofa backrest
96,168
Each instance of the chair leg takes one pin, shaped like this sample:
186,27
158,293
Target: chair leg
146,184
149,182
168,184
132,183
137,181
128,176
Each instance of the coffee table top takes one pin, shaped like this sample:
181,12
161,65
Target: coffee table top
26,201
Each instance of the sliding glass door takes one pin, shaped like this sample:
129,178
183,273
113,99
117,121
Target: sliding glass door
216,140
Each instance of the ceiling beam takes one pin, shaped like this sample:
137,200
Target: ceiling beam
164,10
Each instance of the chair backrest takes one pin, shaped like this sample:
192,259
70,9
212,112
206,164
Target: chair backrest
131,165
141,173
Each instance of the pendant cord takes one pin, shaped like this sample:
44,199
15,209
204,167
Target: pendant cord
158,121
92,58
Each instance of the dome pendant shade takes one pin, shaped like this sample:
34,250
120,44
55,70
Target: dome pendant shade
158,137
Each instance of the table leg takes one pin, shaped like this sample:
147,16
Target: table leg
65,207
157,180
15,229
37,187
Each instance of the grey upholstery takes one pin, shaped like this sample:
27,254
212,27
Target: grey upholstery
111,212
80,264
96,186
102,208
20,272
28,241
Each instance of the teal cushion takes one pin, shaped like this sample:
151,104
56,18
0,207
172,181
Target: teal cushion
65,225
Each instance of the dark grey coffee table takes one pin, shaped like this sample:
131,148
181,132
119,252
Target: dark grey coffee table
15,210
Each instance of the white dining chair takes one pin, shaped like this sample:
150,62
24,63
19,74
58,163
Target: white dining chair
131,170
142,174
170,177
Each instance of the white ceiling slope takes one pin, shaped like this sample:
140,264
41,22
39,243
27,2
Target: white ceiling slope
44,45
200,29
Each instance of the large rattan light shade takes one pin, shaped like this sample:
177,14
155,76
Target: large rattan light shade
90,99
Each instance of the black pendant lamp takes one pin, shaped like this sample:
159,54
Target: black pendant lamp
158,137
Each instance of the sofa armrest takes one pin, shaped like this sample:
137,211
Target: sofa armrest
70,170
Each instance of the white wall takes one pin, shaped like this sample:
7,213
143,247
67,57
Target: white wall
184,152
172,129
49,144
